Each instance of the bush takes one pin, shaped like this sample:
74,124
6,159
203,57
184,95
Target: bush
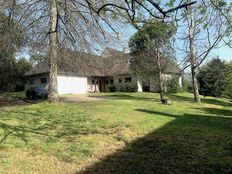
131,87
172,85
127,87
112,88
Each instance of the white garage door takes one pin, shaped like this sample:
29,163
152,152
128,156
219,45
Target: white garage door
72,85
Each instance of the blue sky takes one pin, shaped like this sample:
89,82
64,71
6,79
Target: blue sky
224,53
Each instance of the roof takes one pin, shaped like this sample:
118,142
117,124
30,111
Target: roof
110,63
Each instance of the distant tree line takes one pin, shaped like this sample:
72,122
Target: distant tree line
215,78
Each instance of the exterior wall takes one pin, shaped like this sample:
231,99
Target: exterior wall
120,82
35,81
71,84
81,85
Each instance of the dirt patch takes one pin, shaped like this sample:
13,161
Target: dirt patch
8,101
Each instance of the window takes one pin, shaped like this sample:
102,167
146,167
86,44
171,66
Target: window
92,82
111,81
119,80
107,81
128,79
43,80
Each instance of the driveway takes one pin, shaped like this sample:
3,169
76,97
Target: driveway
81,97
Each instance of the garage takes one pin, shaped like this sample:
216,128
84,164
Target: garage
71,84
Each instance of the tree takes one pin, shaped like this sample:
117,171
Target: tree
212,79
172,85
52,92
11,39
206,29
12,73
22,66
37,58
151,48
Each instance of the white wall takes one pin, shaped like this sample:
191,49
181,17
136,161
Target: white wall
72,84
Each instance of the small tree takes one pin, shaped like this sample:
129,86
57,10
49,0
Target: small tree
150,48
172,85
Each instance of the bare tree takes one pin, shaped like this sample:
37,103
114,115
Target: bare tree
205,30
53,94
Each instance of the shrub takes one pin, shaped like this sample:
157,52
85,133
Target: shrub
112,88
172,85
131,87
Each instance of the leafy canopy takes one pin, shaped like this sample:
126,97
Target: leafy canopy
155,33
152,38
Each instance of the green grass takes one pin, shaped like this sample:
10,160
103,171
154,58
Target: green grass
130,133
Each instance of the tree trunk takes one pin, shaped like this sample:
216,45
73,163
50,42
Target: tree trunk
161,84
195,85
52,92
192,56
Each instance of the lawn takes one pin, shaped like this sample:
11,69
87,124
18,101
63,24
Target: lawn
131,133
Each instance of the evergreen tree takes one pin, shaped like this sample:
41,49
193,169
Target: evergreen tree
212,79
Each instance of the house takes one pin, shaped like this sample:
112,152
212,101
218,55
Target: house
80,72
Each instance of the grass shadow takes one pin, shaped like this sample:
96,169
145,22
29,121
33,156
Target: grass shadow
217,111
207,100
188,144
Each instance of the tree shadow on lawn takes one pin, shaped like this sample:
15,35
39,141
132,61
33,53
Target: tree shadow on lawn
40,123
131,97
188,144
213,101
216,111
